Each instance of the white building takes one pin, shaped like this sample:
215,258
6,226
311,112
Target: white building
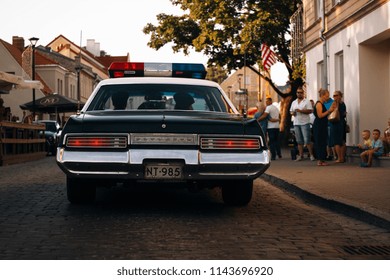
347,47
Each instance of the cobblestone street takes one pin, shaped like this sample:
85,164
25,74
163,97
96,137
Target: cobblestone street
37,222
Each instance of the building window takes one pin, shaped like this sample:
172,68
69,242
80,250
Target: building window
59,86
321,75
339,71
319,8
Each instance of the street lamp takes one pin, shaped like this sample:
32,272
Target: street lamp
33,41
78,69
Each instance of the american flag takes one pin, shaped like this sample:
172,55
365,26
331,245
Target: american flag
267,56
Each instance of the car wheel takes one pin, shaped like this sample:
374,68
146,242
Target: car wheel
80,191
237,193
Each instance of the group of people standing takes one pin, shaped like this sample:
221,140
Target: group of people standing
325,134
329,134
269,120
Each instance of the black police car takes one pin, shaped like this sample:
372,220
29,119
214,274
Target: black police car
158,123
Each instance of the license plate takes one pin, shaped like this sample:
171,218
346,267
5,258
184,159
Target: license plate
159,171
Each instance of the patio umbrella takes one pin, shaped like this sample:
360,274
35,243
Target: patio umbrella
53,103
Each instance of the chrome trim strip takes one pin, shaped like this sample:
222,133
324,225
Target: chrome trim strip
96,172
92,156
227,174
137,156
261,157
163,139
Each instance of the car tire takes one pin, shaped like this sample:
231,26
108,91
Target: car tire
80,191
237,193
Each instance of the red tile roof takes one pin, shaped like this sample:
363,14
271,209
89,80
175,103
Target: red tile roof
14,51
107,60
43,60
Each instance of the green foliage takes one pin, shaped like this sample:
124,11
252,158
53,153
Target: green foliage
217,74
226,30
299,67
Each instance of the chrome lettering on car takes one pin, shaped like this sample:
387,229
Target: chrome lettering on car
163,139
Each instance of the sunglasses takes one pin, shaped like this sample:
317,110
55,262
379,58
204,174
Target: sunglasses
336,95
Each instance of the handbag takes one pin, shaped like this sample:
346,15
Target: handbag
334,116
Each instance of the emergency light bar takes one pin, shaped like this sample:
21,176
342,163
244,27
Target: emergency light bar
141,69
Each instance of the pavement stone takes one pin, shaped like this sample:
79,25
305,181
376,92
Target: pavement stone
361,193
37,222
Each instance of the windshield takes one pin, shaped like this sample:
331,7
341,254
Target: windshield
159,97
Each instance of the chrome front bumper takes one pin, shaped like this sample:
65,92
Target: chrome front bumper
130,164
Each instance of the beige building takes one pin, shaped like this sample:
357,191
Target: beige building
11,63
87,69
62,67
347,48
247,80
91,63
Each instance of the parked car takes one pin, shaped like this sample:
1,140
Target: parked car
143,126
51,135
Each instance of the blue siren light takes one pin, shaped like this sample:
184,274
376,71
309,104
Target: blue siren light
140,69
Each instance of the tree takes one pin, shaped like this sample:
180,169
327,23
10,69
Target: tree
217,74
227,31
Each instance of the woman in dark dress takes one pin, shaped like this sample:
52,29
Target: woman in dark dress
338,129
320,126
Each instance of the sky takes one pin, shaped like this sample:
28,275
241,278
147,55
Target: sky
117,25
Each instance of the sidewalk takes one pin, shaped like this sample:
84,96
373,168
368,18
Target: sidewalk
362,193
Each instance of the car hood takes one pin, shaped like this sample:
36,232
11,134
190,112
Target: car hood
161,122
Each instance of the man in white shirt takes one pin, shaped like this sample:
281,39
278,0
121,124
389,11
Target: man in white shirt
301,109
272,113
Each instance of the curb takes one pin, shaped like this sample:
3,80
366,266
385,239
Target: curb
333,205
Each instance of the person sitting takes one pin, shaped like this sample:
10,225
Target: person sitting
153,101
366,144
119,100
386,139
376,150
183,101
